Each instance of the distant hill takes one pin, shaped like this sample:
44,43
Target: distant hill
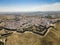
31,13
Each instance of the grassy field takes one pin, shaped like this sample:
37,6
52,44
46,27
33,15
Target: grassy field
52,38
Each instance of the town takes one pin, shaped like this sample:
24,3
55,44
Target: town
24,24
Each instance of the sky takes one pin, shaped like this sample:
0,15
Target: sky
29,5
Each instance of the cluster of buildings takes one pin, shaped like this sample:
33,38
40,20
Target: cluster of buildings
25,22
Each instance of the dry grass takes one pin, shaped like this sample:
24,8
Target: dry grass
52,38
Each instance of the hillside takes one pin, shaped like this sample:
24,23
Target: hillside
52,38
9,36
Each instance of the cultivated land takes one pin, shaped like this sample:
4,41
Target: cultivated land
29,30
